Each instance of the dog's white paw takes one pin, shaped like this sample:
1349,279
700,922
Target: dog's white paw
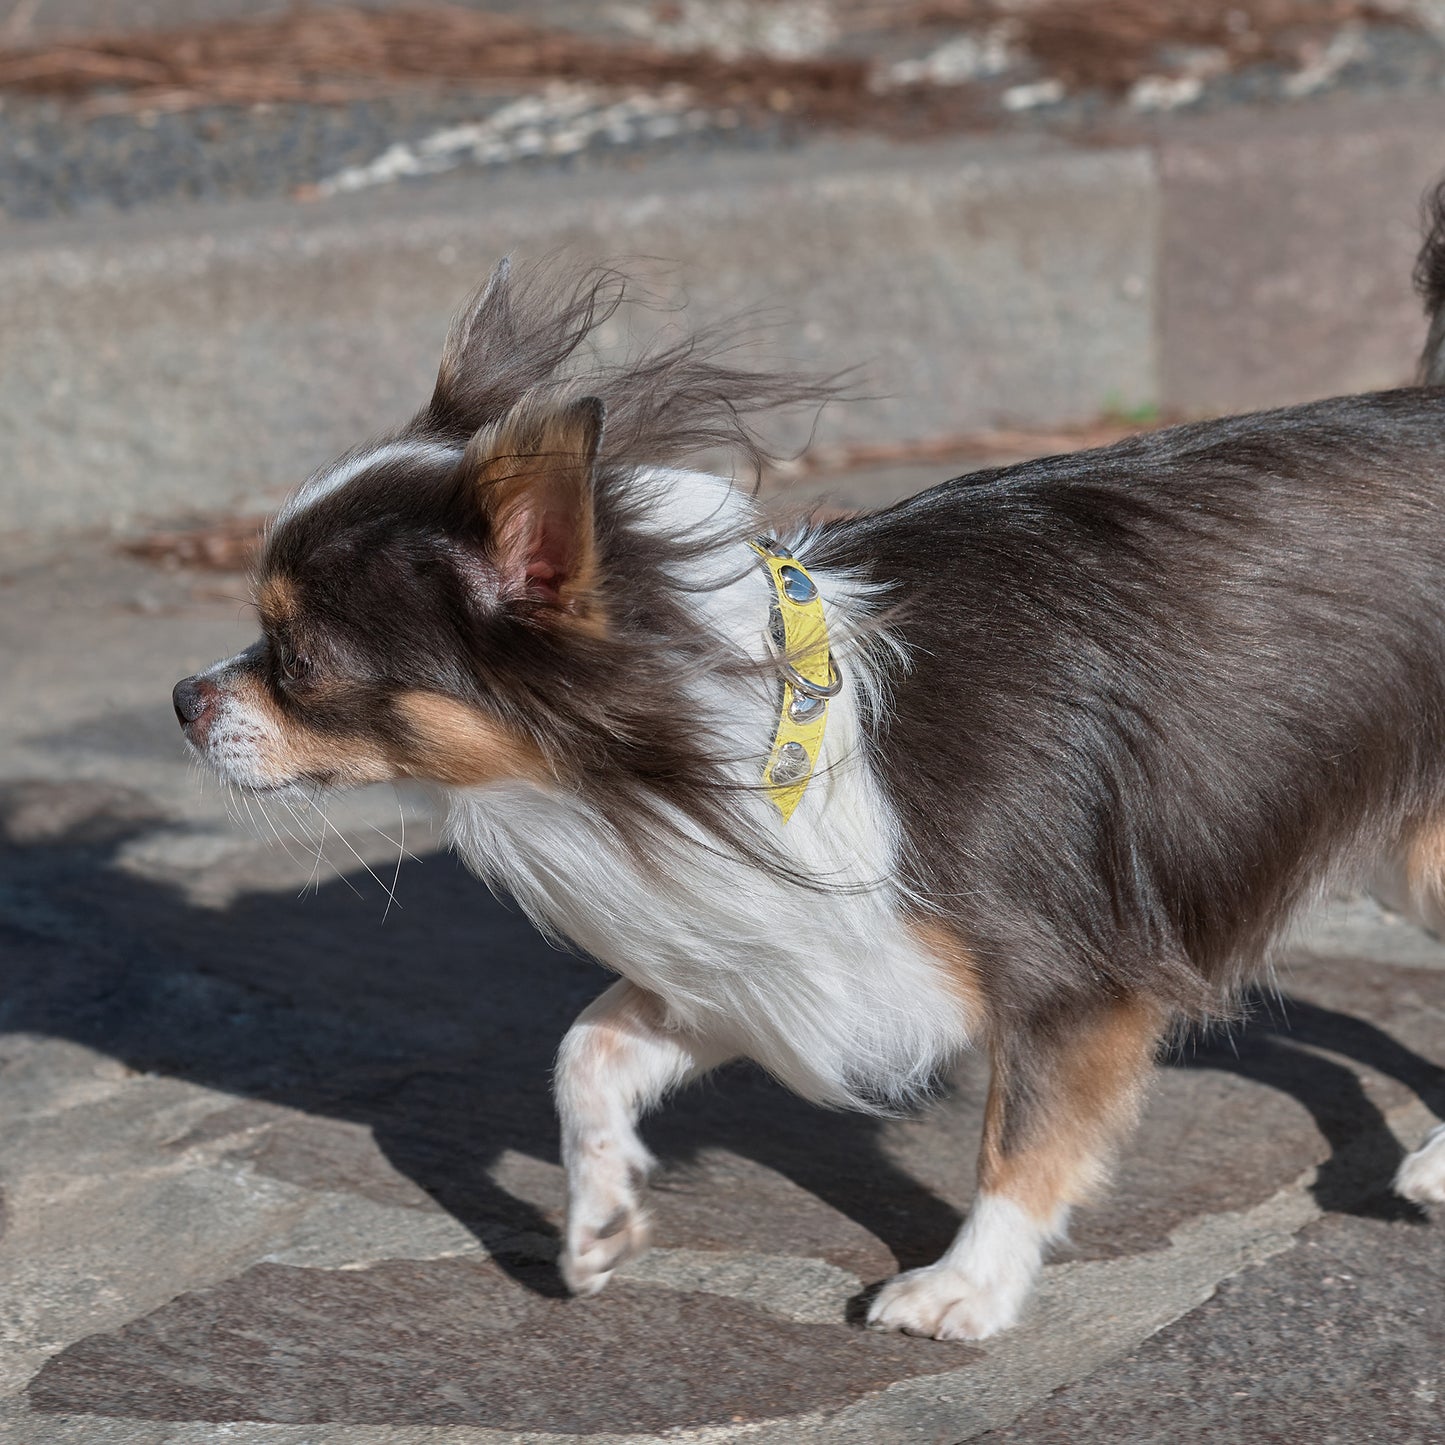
1421,1176
945,1303
606,1222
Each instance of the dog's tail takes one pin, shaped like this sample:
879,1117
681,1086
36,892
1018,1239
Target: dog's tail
1430,283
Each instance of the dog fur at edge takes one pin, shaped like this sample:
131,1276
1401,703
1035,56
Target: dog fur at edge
1109,722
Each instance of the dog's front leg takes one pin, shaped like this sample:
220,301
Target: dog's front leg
617,1061
1061,1094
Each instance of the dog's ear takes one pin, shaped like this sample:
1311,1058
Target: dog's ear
533,477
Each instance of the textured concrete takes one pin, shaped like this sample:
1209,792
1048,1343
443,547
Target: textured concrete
198,359
208,357
1286,250
274,1173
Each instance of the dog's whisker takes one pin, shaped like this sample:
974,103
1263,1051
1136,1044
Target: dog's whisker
394,842
263,812
400,855
330,828
303,822
300,840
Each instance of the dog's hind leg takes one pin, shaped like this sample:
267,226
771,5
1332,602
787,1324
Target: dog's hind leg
1062,1093
617,1061
1412,882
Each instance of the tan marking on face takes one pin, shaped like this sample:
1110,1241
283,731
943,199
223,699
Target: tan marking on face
445,742
452,743
1087,1099
294,750
291,751
957,964
277,601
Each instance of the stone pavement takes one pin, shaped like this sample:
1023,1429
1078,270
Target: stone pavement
283,1169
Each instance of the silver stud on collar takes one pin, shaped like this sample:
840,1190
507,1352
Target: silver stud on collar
791,765
804,707
797,585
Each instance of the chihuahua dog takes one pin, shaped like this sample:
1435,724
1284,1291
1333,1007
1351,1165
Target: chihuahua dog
1040,761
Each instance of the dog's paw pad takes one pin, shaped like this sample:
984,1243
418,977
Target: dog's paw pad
1422,1175
943,1304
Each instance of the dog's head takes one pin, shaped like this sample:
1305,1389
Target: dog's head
399,595
493,592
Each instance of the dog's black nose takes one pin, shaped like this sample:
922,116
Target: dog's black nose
192,696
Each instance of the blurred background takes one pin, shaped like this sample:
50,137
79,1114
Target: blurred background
232,231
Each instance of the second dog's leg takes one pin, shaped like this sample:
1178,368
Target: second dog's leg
1059,1098
616,1061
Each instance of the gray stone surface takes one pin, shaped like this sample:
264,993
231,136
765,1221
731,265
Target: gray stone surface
1287,244
274,1173
42,19
196,360
1340,1342
208,357
277,1159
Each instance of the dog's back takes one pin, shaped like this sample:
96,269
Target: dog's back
1162,692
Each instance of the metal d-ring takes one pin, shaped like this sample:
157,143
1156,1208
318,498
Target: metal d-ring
821,690
774,636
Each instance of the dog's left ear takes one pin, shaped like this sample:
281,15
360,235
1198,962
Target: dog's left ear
533,475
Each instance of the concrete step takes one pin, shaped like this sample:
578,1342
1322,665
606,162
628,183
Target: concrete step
208,358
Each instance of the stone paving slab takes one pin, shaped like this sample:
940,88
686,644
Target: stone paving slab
274,1173
1339,1341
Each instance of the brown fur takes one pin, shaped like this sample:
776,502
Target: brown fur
518,336
1054,1112
959,966
277,601
454,744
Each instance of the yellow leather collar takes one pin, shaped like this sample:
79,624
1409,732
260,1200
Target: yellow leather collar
797,633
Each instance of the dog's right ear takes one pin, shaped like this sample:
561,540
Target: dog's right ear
485,321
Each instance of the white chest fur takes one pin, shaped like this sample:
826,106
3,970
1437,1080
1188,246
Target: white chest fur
826,988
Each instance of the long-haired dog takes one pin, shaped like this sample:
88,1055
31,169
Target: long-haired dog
1042,760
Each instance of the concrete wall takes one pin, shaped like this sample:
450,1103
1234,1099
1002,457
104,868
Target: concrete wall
209,358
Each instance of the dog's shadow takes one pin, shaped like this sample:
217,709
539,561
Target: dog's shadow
437,1033
1296,1047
